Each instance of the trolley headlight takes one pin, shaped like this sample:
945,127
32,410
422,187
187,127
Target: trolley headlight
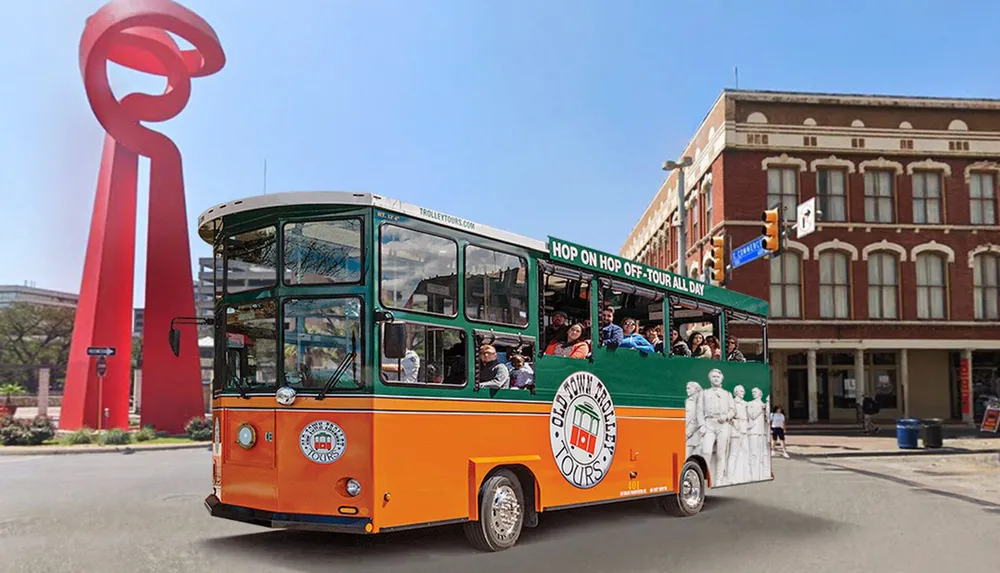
246,436
353,487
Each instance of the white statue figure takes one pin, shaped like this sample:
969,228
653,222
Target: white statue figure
758,434
738,470
691,424
715,411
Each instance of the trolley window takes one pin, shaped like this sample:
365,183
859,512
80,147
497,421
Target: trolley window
418,271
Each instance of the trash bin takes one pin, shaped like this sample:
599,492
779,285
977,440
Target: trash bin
907,433
932,432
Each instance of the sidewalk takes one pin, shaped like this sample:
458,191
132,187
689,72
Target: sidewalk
96,449
819,446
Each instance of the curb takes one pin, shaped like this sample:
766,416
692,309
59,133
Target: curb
78,450
897,453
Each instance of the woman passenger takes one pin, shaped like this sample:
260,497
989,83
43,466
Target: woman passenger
634,340
574,346
698,347
713,343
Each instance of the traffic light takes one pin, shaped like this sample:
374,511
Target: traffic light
772,230
719,259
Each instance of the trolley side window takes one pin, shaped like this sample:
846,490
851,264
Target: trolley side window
496,286
415,353
418,271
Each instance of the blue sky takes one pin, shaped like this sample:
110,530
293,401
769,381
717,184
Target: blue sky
542,118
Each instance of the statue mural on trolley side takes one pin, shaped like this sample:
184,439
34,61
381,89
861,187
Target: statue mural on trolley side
730,432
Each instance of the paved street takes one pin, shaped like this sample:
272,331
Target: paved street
143,512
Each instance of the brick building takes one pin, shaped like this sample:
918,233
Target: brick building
900,279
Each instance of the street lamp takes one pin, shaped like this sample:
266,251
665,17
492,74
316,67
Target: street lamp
681,212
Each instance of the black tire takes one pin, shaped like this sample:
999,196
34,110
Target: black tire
501,492
691,497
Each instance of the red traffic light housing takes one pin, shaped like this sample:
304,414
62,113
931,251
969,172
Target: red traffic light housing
772,230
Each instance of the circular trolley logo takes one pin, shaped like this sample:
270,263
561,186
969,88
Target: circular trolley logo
583,429
323,442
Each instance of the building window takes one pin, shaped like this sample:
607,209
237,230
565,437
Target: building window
982,199
834,286
930,286
695,217
927,197
986,286
786,286
881,372
831,195
706,190
878,197
782,189
883,285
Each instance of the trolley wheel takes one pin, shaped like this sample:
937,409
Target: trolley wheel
691,497
501,513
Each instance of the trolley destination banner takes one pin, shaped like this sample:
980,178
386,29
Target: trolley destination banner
608,264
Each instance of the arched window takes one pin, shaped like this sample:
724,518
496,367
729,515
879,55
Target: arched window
931,282
986,286
786,285
883,285
834,285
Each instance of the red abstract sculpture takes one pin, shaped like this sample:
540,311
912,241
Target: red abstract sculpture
134,34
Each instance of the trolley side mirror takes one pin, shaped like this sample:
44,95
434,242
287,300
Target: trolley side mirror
394,341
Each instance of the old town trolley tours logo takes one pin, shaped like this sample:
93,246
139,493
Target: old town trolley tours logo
323,441
583,429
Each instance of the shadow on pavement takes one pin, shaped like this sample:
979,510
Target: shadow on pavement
984,504
596,537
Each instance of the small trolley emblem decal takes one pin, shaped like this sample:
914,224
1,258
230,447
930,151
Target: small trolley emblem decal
323,441
583,429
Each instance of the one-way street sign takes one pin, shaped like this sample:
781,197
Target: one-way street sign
806,222
101,351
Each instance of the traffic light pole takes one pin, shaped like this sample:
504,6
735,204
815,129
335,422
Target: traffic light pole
681,225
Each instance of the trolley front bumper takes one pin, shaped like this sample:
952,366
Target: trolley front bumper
329,523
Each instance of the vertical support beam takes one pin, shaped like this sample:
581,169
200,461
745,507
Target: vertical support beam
904,380
43,391
965,379
812,386
859,373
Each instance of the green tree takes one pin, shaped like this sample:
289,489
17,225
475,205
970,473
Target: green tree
33,336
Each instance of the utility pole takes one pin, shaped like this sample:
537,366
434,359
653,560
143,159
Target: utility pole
686,161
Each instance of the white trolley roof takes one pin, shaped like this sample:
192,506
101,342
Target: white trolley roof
297,198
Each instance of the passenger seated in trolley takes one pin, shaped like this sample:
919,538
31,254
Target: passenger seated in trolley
677,345
492,373
632,339
574,346
521,374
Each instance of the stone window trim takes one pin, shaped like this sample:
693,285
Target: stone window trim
933,247
798,247
836,245
783,160
881,164
987,248
832,162
979,167
884,246
928,165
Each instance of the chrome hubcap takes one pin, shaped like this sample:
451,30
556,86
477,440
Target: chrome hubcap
505,513
691,489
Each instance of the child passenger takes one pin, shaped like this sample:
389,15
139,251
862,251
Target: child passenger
521,376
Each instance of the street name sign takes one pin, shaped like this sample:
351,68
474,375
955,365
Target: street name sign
101,351
748,252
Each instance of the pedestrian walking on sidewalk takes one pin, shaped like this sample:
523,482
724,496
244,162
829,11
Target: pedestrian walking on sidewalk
867,408
778,430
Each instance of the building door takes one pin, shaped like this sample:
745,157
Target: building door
798,394
823,395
